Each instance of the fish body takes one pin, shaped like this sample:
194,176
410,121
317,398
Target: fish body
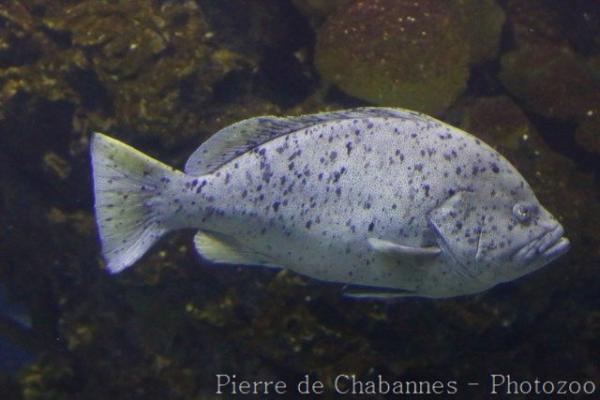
389,200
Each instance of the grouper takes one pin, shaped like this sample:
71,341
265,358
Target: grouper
388,202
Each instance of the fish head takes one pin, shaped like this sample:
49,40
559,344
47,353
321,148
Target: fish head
497,233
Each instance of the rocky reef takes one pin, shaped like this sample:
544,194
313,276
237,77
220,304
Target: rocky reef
407,54
523,75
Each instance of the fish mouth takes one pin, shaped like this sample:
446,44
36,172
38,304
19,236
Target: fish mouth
546,247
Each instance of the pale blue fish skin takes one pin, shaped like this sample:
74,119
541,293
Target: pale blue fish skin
378,197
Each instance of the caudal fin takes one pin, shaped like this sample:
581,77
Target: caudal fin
127,189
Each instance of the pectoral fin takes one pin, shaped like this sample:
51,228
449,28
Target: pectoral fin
402,251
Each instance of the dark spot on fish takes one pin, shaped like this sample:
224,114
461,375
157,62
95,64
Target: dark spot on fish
199,188
332,155
338,191
336,176
426,188
419,167
308,224
244,193
458,170
371,226
294,155
276,206
349,147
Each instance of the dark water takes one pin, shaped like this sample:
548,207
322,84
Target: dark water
164,75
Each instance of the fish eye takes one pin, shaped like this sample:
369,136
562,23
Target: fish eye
523,211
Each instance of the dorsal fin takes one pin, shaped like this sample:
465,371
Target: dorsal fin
235,140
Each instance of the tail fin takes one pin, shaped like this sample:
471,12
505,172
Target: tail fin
127,190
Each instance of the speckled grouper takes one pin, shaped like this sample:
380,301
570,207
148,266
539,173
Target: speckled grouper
388,201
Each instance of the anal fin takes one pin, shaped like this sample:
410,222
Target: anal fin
224,249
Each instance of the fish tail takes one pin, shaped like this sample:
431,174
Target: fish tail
128,191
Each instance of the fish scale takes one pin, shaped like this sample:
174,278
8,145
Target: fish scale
389,201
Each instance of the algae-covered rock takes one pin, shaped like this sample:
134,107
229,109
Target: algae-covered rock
153,60
587,134
137,67
483,21
552,80
409,54
316,10
498,121
404,53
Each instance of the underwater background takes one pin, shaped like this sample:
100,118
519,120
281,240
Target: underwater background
523,75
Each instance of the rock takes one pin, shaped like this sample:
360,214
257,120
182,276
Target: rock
483,21
405,53
317,10
147,57
397,53
552,80
587,134
498,121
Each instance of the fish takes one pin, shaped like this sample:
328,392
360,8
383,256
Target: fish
387,202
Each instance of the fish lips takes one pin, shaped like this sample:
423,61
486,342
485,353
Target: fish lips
548,246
